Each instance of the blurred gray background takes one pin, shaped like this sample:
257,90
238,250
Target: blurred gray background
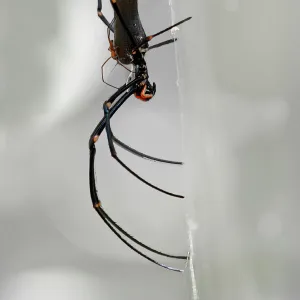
227,104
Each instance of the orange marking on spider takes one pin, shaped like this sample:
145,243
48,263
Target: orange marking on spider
96,138
112,50
143,96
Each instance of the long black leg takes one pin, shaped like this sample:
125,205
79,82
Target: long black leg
116,9
143,155
138,242
170,27
103,215
150,37
97,205
115,156
101,16
99,129
167,42
133,248
101,125
95,200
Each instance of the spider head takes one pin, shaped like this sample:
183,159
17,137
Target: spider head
146,91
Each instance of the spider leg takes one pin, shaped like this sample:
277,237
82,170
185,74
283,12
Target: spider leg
170,27
150,37
113,55
98,207
115,156
101,125
143,155
102,73
101,16
118,63
133,248
125,67
93,191
113,223
163,43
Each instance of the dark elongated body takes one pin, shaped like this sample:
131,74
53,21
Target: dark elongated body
122,42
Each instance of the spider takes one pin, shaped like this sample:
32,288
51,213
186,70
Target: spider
129,47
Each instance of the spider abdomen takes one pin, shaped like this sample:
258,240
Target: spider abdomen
122,42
